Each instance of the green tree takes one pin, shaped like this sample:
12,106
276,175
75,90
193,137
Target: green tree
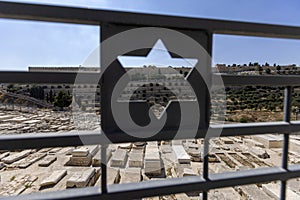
278,68
37,92
259,69
62,100
51,98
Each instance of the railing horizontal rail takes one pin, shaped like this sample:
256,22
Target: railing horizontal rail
174,185
97,17
270,80
23,77
29,141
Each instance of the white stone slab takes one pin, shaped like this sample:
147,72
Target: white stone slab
29,160
152,162
118,158
47,161
81,179
84,151
80,161
152,144
176,142
274,191
3,155
15,157
188,172
181,154
54,178
125,145
130,175
93,149
252,192
34,121
113,175
80,152
270,141
135,160
55,150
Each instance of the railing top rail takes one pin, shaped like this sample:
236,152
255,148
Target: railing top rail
75,15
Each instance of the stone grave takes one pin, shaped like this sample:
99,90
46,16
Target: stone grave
152,162
81,179
54,178
47,161
118,158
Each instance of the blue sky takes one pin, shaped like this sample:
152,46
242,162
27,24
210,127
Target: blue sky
24,43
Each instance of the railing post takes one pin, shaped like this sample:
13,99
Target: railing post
285,150
103,169
205,164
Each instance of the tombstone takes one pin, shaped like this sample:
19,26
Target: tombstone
118,158
135,160
54,178
81,179
176,142
3,155
113,175
195,154
96,161
269,141
252,143
294,145
125,145
188,172
274,191
29,160
139,144
67,151
181,154
15,157
166,149
80,161
227,140
80,152
47,161
83,156
182,196
130,175
55,150
252,192
152,162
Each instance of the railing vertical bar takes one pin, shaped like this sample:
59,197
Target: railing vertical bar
285,150
205,164
207,138
103,169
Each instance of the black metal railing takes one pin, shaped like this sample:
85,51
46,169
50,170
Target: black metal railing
168,186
